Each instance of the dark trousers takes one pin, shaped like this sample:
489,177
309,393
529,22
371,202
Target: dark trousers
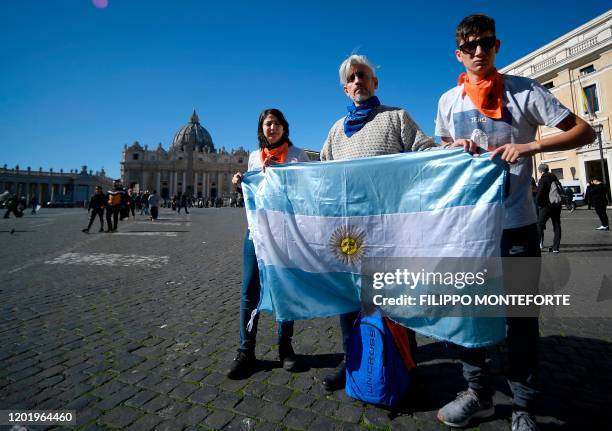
553,211
133,211
601,212
249,299
154,212
183,206
522,334
114,212
14,211
96,212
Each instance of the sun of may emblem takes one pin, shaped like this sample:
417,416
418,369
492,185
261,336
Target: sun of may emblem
347,244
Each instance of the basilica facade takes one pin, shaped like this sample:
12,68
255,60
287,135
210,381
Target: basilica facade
191,165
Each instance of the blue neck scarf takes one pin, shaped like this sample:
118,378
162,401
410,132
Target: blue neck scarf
358,115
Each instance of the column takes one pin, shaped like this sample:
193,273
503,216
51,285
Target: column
174,183
39,193
51,192
158,182
184,187
205,185
219,185
195,183
28,195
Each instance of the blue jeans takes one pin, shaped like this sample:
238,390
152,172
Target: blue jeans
249,299
522,337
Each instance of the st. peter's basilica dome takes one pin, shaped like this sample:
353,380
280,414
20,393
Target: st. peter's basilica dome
193,133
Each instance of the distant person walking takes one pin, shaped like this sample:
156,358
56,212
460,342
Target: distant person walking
96,208
34,204
116,201
549,208
12,206
596,198
144,202
131,203
183,204
154,205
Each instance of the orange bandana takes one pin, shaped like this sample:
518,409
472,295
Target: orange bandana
276,154
485,94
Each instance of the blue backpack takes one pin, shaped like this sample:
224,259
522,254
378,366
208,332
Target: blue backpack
375,370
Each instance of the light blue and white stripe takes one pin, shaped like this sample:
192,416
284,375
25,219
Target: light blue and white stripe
428,204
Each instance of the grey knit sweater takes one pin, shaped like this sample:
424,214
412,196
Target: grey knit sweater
390,130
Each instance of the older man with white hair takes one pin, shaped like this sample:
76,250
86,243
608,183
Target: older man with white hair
369,129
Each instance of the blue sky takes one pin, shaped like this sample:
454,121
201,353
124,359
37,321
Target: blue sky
78,82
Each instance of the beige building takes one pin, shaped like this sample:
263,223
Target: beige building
577,69
191,165
49,187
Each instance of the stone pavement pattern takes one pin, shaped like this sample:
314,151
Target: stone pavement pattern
134,331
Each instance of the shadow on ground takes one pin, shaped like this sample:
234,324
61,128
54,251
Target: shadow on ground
575,383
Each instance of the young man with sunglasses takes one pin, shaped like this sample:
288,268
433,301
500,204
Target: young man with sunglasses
488,111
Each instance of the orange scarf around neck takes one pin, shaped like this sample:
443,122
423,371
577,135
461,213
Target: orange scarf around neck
486,94
276,154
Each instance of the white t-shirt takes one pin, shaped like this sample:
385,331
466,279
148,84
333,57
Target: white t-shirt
294,155
527,105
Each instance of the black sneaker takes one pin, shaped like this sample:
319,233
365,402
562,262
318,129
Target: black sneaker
85,230
337,379
242,366
289,360
101,229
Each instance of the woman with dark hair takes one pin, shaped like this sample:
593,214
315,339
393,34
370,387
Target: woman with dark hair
274,148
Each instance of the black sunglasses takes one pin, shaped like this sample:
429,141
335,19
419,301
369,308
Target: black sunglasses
486,43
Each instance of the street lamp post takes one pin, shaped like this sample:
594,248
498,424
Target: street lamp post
604,173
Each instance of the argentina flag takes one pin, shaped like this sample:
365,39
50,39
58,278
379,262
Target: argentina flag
313,223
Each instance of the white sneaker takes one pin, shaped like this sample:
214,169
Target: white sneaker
603,228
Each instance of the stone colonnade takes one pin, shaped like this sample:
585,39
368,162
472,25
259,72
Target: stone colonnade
202,183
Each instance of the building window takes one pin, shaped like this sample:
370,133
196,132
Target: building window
587,70
548,85
557,173
240,160
591,101
134,156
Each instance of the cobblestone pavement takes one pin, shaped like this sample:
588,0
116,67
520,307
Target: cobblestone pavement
134,331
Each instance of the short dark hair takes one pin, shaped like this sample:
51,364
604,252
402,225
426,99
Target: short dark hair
263,142
474,25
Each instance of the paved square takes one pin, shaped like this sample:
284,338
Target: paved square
134,330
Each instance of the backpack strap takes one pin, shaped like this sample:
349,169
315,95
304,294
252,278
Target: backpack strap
401,342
